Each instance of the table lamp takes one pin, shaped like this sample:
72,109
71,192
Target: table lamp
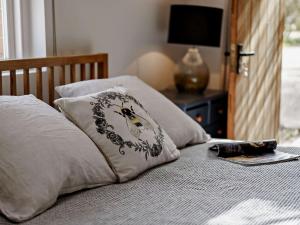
194,25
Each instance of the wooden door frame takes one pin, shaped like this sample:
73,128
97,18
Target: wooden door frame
231,68
232,64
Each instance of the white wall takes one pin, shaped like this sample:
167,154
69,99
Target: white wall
134,33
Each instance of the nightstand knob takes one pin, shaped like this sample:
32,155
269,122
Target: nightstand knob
220,111
199,118
219,131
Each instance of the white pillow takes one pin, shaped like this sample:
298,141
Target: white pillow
119,125
43,155
180,127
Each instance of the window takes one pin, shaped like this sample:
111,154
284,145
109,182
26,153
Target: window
23,28
1,32
14,19
7,39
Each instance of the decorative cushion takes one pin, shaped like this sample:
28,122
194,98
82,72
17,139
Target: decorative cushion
181,128
120,126
43,155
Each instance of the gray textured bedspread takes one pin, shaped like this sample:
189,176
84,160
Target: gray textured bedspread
196,189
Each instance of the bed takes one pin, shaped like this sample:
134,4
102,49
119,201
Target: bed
198,188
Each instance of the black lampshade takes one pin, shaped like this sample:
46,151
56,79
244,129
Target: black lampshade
195,25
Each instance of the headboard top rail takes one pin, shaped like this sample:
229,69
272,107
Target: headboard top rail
16,64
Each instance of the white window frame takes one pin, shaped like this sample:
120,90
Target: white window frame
8,32
15,24
18,23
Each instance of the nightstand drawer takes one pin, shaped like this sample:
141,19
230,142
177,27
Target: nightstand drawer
218,110
199,114
217,130
209,109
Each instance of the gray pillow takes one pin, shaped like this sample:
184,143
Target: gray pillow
43,155
120,126
181,128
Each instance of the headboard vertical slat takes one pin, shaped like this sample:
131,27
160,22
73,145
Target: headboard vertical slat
102,70
13,82
82,72
26,82
104,64
73,73
92,71
39,83
0,82
62,76
51,85
33,69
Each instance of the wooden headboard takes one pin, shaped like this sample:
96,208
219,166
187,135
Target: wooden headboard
97,66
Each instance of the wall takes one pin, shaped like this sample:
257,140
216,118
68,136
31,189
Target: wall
134,33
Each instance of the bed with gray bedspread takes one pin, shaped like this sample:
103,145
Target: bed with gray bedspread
196,189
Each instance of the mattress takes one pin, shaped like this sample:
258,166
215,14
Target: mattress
196,189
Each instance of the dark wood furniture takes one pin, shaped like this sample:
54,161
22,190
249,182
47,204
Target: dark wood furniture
208,109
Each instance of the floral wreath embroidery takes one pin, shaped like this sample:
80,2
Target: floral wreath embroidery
104,100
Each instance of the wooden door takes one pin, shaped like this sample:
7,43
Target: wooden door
254,101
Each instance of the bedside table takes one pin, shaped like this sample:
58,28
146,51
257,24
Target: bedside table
208,109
